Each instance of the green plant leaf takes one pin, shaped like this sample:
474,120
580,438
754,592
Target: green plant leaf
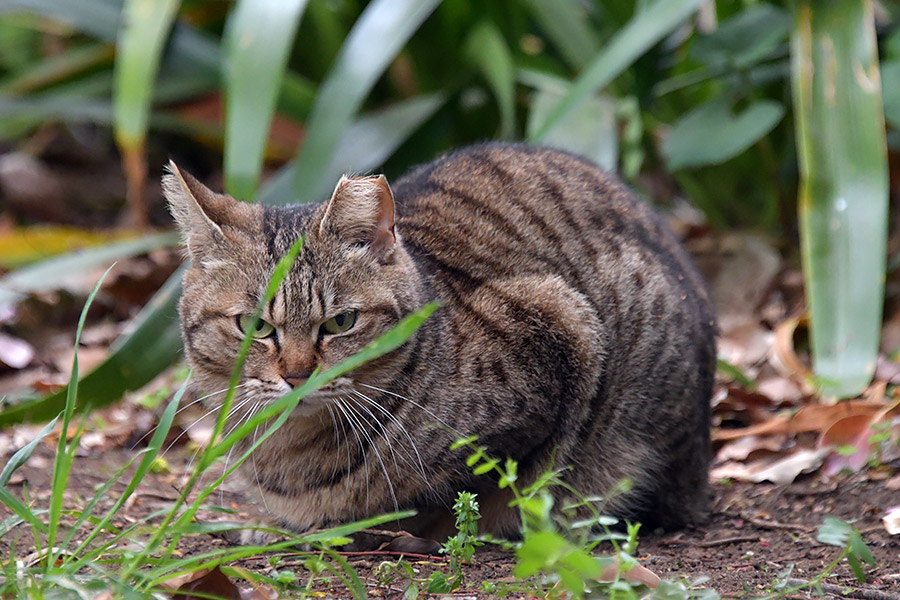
746,38
834,532
843,199
258,37
376,38
890,87
101,19
24,453
487,49
366,144
53,273
145,28
710,134
588,130
567,26
152,343
643,31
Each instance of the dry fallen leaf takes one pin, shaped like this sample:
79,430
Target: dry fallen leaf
853,432
780,471
814,417
211,584
14,352
636,574
783,356
741,449
891,520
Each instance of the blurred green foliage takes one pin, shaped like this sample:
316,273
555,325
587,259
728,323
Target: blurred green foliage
689,95
698,92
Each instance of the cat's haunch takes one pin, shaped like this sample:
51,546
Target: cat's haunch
573,332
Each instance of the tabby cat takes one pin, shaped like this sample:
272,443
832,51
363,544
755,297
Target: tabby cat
573,332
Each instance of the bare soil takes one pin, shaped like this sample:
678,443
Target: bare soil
755,532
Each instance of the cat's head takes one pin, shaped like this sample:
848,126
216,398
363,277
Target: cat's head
352,282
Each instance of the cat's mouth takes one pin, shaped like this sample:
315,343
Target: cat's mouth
317,400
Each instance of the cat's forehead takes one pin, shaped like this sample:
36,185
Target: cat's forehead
283,225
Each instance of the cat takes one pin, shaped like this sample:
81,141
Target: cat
573,331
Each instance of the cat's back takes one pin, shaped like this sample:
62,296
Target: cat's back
500,210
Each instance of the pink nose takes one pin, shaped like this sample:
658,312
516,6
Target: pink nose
296,379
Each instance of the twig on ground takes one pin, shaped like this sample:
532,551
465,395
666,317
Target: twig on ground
729,540
846,591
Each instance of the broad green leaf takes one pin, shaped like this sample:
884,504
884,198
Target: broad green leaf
144,29
257,40
101,19
567,27
834,532
376,38
54,273
643,31
710,134
56,68
366,144
487,49
843,201
744,39
152,343
589,130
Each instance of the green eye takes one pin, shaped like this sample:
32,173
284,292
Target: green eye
263,328
340,323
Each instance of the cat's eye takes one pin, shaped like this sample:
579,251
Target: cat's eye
340,323
263,328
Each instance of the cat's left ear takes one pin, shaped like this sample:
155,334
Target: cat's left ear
361,211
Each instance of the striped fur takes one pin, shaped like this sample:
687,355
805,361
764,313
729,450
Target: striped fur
573,332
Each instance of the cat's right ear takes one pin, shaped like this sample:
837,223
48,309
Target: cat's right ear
189,202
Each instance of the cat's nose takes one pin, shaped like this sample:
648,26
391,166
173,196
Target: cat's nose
296,379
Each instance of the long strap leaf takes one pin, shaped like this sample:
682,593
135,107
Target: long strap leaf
377,37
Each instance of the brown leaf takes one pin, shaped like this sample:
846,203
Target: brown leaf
214,583
815,417
636,574
854,431
784,358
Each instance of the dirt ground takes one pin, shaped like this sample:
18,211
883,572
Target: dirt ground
755,532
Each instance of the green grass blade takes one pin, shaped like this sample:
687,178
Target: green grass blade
16,506
149,455
487,49
381,31
843,201
259,32
64,456
144,30
52,273
643,31
366,144
24,453
137,357
567,27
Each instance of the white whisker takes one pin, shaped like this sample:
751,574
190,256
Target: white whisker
374,447
414,403
344,411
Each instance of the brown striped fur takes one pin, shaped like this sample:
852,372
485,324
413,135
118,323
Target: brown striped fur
573,332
